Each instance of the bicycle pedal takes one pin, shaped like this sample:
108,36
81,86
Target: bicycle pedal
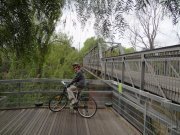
75,107
71,107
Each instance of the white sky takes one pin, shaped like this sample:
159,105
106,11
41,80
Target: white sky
72,28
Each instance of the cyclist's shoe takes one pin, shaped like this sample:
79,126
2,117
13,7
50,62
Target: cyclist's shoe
73,102
71,108
75,106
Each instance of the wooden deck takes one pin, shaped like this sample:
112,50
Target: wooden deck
45,122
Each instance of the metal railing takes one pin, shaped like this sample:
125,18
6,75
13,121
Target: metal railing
156,71
150,82
28,93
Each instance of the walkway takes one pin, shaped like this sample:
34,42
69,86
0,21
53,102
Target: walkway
45,122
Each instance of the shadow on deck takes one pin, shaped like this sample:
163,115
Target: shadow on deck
45,122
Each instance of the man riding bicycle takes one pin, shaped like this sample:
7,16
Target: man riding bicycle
84,104
76,84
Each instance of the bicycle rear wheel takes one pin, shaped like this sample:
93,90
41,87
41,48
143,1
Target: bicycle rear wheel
58,102
87,107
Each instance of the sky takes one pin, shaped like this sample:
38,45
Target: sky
72,28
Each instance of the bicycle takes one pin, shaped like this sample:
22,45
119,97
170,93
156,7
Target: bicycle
86,105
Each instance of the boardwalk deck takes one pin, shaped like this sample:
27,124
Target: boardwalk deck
45,122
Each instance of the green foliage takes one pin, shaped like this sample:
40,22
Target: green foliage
26,27
46,14
129,50
88,44
116,51
59,59
16,28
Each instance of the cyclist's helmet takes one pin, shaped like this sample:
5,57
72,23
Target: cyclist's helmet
76,65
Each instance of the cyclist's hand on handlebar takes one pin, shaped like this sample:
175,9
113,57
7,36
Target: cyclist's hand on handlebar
68,85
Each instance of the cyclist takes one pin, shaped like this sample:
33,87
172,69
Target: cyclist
76,84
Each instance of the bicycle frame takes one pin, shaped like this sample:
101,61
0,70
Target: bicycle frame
83,109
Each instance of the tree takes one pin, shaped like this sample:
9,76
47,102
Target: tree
109,14
26,27
19,19
148,21
173,6
46,14
88,44
16,28
60,57
177,32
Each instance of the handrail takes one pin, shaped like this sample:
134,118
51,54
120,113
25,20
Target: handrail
150,86
26,92
156,71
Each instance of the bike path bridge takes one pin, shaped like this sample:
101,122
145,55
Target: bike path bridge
137,93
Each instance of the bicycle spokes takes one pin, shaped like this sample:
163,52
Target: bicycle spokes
58,102
87,107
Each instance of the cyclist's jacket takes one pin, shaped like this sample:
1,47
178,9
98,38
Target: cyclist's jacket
79,80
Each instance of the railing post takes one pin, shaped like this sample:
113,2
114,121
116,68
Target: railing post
100,56
142,72
105,68
166,68
112,70
123,69
145,112
19,85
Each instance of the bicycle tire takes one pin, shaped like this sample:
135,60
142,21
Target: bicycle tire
87,107
58,102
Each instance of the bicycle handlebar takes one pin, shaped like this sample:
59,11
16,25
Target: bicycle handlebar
63,83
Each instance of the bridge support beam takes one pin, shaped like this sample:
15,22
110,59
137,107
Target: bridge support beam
142,72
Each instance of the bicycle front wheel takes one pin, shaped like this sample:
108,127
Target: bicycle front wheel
87,107
58,102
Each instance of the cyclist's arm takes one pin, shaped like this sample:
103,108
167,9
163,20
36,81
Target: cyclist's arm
75,79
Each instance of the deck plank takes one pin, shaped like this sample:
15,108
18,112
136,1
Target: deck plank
19,124
82,126
45,122
10,120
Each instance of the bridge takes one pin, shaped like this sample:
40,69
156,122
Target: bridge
142,89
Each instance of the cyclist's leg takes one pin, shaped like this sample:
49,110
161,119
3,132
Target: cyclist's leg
78,92
71,94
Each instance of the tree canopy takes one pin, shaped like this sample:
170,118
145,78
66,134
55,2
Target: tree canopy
27,24
110,14
27,27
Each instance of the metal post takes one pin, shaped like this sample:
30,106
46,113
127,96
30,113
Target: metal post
100,56
121,49
19,85
105,69
142,72
122,81
123,70
145,112
112,69
166,68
